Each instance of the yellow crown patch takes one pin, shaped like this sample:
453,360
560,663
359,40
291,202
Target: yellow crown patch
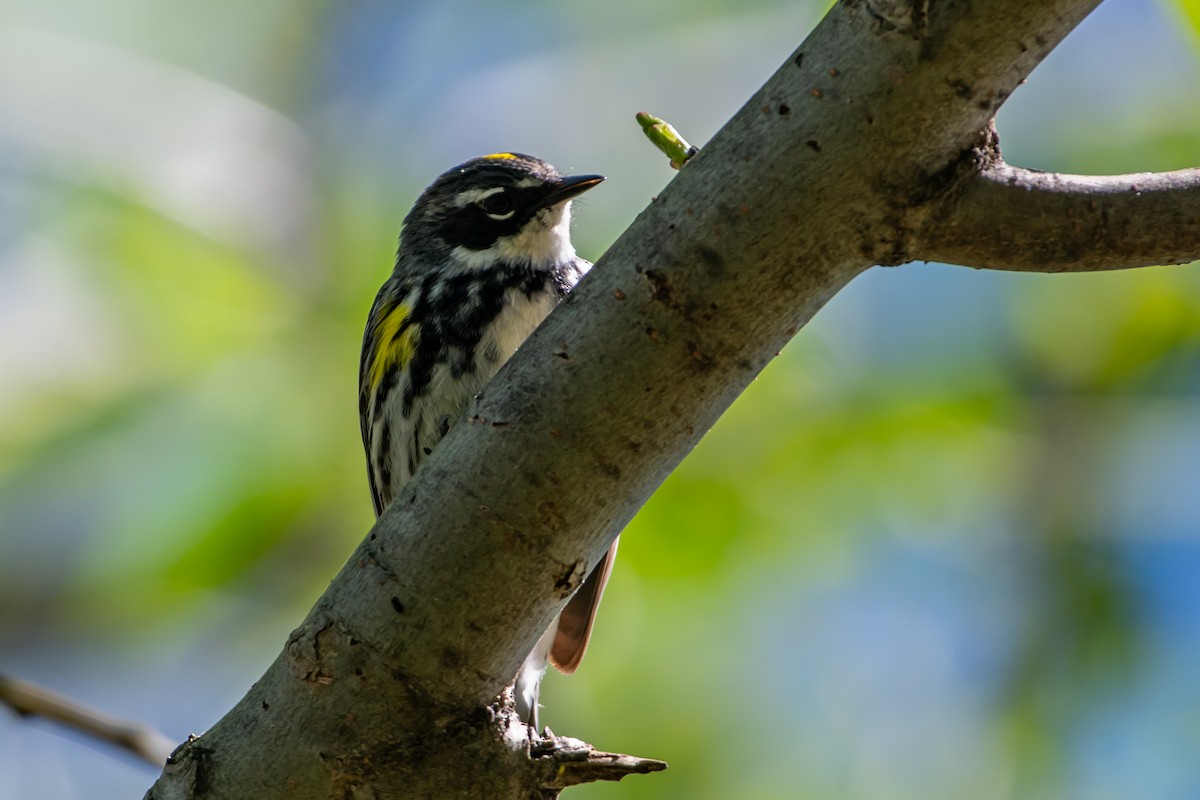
501,155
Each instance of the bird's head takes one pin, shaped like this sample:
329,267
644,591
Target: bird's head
501,208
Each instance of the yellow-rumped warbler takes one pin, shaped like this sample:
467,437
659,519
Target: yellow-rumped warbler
484,255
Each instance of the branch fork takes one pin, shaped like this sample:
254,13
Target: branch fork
1009,218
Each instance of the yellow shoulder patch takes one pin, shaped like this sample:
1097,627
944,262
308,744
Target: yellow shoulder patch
501,155
396,342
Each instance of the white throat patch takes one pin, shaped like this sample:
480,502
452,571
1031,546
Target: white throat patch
545,241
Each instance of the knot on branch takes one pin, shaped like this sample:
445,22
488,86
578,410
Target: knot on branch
186,773
906,17
912,210
312,648
564,762
986,151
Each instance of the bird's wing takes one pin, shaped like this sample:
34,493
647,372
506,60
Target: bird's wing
575,622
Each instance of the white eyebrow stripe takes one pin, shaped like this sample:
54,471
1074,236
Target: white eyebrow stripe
465,198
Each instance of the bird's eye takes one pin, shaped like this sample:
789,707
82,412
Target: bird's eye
497,205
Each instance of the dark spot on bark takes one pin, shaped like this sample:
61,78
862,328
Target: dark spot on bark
563,354
551,517
653,334
814,145
703,361
870,120
798,60
426,451
373,535
266,706
660,287
712,260
784,109
397,605
609,470
358,672
961,88
451,658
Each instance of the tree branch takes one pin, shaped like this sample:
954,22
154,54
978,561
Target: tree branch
570,762
1009,218
387,689
28,699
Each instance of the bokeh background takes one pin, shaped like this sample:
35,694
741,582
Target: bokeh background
946,546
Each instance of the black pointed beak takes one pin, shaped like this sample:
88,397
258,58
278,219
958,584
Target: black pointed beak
570,186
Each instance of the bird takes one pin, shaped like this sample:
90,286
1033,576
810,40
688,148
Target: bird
484,255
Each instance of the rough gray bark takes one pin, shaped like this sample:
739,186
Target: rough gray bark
849,156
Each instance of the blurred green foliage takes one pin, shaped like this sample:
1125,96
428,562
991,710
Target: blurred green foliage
923,556
1190,9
